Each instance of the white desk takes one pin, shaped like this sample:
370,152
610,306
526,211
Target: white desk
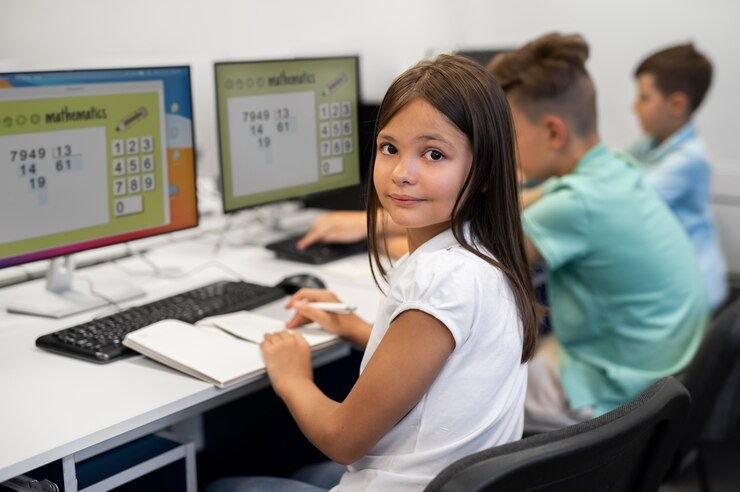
54,407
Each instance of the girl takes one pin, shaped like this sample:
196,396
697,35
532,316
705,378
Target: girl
443,374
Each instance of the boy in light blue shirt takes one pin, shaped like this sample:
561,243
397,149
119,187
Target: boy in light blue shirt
671,84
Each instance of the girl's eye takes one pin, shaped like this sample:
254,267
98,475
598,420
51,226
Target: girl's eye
434,155
387,149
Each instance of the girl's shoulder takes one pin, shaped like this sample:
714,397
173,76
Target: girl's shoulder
452,262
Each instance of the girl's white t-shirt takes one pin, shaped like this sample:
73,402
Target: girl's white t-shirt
477,400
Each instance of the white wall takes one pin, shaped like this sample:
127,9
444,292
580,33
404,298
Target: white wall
389,35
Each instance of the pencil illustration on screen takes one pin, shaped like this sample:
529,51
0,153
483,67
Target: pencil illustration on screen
332,86
132,119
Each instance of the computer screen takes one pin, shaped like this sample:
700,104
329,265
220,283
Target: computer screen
353,197
288,129
92,158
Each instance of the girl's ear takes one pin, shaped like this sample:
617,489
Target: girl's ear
556,130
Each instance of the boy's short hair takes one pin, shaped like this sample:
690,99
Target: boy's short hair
549,74
679,68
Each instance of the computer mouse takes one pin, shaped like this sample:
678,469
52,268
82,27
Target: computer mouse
293,283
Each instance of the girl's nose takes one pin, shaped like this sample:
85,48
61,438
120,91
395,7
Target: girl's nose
403,171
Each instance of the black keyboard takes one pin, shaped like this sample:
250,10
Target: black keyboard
100,340
317,253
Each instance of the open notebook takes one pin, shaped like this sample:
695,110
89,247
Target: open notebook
222,350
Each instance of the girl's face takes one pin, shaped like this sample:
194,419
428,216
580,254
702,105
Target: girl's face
421,162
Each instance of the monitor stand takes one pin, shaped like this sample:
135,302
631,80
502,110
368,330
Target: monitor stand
60,298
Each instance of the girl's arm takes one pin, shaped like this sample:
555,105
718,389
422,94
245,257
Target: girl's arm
403,367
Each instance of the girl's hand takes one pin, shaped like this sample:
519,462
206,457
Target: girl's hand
349,326
305,314
287,358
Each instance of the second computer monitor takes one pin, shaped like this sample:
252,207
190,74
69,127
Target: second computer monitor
287,128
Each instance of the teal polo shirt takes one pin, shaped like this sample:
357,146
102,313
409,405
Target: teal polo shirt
628,302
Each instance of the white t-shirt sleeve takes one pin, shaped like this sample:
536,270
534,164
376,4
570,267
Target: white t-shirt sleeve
446,285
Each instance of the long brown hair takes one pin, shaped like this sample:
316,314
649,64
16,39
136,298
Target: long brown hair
472,100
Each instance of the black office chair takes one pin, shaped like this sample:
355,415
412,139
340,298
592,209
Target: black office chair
627,449
705,378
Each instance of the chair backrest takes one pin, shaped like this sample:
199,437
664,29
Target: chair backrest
627,449
708,371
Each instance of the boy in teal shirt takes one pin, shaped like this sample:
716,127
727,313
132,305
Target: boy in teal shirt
671,84
627,301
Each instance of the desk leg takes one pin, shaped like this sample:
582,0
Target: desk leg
69,473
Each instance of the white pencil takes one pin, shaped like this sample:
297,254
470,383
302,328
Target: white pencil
333,307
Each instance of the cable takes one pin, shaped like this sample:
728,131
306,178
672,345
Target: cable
91,288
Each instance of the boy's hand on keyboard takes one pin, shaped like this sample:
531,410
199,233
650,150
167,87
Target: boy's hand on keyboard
335,227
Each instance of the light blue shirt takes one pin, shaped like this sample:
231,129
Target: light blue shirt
679,172
627,301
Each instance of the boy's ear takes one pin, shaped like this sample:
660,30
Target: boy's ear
557,132
678,103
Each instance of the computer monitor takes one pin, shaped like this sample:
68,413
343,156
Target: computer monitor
288,129
92,158
481,55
